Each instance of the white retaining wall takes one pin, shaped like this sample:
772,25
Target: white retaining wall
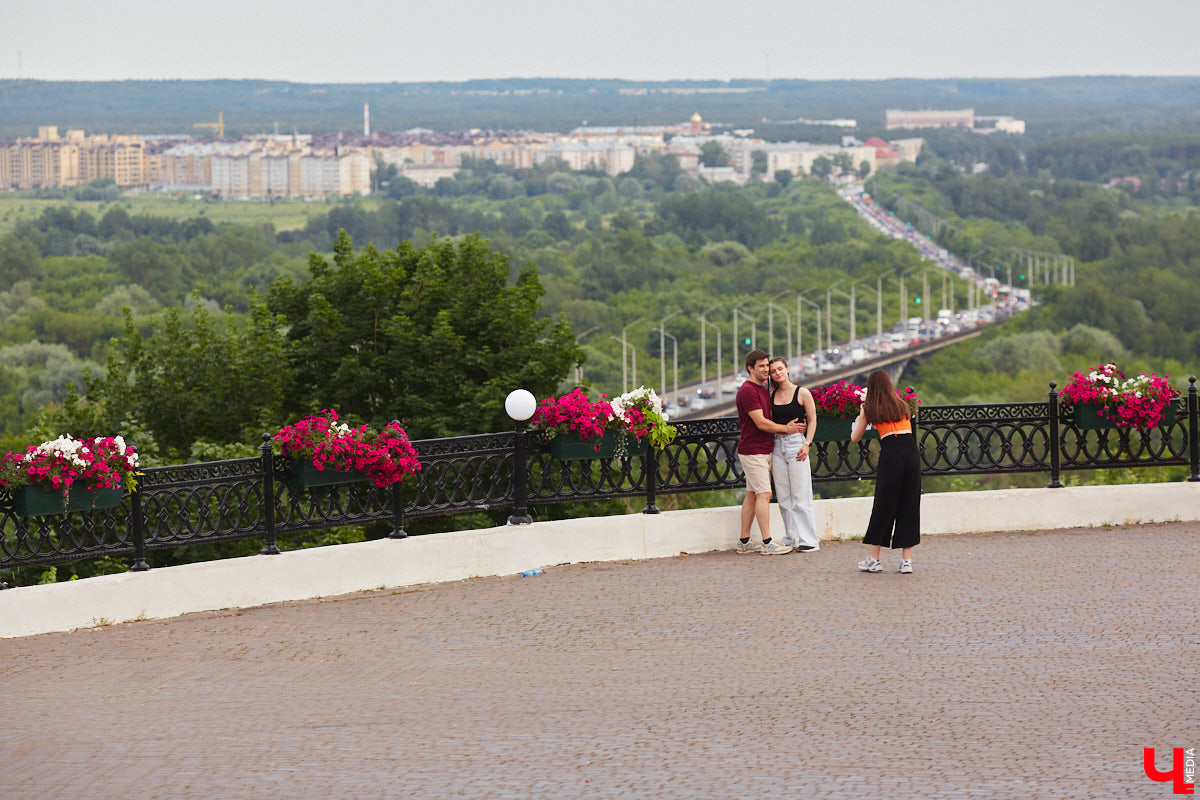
340,569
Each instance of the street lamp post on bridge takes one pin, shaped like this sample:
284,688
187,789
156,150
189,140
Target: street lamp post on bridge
771,323
704,323
799,319
624,383
662,348
817,306
753,334
829,314
675,362
579,367
634,349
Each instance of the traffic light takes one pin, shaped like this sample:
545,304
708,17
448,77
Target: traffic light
918,301
746,341
1021,276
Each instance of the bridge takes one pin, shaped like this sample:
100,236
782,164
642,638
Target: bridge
893,363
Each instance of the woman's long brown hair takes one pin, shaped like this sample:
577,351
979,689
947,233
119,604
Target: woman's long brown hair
882,403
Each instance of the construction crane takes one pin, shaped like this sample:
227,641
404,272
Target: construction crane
218,126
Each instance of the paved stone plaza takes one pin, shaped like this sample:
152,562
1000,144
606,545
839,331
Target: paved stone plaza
1034,665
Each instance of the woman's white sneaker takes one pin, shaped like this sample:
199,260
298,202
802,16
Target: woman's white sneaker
906,566
870,565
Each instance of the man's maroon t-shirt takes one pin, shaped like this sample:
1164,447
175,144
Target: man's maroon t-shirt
751,395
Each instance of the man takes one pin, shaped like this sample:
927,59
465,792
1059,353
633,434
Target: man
755,442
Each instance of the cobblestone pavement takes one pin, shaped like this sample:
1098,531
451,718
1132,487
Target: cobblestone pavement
1032,665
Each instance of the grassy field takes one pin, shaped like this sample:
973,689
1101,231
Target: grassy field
283,214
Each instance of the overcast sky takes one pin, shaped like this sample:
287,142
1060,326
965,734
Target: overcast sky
401,40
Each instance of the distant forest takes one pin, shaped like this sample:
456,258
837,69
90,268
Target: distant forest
1052,107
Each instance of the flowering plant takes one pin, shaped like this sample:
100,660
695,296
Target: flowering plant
1128,402
844,399
638,413
386,457
104,463
644,416
574,413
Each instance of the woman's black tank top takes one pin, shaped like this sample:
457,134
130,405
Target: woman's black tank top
783,414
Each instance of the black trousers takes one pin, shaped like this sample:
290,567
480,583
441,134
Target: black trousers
897,494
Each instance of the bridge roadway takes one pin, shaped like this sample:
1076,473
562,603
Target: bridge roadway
1010,665
723,405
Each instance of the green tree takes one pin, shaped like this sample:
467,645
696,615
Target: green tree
783,176
206,378
822,167
712,154
434,337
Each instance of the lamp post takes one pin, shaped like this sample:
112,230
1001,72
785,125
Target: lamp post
829,314
753,333
704,323
675,364
853,334
817,306
925,296
771,322
519,405
634,349
830,322
662,348
799,319
878,313
904,299
624,383
579,367
787,314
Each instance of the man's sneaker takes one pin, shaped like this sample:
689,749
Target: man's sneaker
808,548
906,566
870,565
773,549
748,547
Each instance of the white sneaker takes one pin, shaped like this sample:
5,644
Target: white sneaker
773,549
869,564
906,566
749,547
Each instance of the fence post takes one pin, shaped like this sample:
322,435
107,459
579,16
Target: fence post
1052,405
650,467
398,531
520,512
1193,439
139,533
268,468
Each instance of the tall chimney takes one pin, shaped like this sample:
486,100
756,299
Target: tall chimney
366,119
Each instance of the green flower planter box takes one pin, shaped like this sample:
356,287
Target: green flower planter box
1086,416
569,447
305,475
837,429
34,501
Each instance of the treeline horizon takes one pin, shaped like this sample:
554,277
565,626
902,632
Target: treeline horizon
1052,106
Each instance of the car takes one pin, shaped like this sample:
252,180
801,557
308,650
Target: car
706,392
682,401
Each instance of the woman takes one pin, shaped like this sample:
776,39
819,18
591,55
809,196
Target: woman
896,515
789,459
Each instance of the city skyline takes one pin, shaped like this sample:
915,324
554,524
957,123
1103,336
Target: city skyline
370,41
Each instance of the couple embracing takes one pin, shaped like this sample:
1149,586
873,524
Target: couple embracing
776,426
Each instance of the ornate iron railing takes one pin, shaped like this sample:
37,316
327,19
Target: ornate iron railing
254,498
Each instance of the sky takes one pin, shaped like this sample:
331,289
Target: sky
369,41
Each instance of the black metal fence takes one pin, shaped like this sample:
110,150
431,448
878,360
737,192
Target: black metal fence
254,498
